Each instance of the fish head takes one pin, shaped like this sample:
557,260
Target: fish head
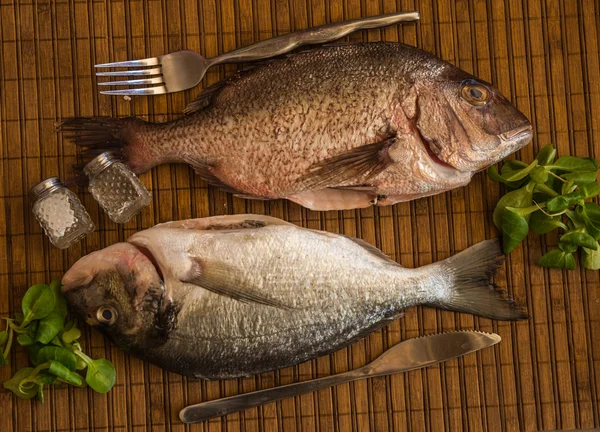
467,124
118,290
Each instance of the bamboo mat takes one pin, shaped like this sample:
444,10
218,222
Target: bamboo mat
543,55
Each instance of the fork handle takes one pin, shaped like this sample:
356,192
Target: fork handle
220,407
322,34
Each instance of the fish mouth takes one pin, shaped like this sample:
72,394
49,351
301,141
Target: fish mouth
517,134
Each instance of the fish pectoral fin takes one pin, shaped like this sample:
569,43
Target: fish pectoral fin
224,223
358,164
228,281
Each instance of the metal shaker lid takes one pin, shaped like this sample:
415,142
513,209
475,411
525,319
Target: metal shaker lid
100,163
44,187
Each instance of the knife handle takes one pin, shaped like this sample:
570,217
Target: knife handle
322,34
220,407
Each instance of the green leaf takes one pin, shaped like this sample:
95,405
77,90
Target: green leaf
546,155
576,218
69,325
40,394
590,259
512,165
61,302
27,391
567,188
62,355
558,259
575,164
579,238
101,375
18,317
49,327
45,378
3,361
514,230
3,337
593,212
493,175
518,198
563,202
541,223
38,302
519,174
58,369
589,214
25,340
581,177
33,351
590,190
81,364
539,175
71,335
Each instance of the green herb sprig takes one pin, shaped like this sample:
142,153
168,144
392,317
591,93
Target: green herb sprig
53,347
550,194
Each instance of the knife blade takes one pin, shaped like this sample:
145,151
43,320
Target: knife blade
405,356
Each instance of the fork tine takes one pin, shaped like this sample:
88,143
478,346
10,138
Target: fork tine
153,71
155,80
134,92
152,61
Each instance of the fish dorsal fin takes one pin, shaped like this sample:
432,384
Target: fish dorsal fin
205,97
226,280
223,223
368,246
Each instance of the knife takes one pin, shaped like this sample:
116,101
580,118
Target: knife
405,356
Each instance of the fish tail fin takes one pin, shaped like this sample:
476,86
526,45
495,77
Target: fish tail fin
471,287
127,137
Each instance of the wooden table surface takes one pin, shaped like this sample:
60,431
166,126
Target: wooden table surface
543,55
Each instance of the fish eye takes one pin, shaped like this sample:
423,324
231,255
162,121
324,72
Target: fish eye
106,315
474,93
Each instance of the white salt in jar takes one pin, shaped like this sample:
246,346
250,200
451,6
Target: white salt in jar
116,188
60,213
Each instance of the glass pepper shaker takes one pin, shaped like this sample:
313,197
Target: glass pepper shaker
116,188
60,213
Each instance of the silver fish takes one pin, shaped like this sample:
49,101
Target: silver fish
232,296
336,127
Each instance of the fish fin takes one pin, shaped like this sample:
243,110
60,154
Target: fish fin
372,249
205,173
472,290
252,197
96,135
368,160
204,99
334,199
228,281
223,223
373,328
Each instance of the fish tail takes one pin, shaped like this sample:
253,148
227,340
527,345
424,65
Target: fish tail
127,137
471,287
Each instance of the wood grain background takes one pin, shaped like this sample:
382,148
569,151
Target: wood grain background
542,54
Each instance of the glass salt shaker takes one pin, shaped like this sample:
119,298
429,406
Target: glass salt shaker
116,188
60,213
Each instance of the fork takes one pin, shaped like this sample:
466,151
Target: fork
182,70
